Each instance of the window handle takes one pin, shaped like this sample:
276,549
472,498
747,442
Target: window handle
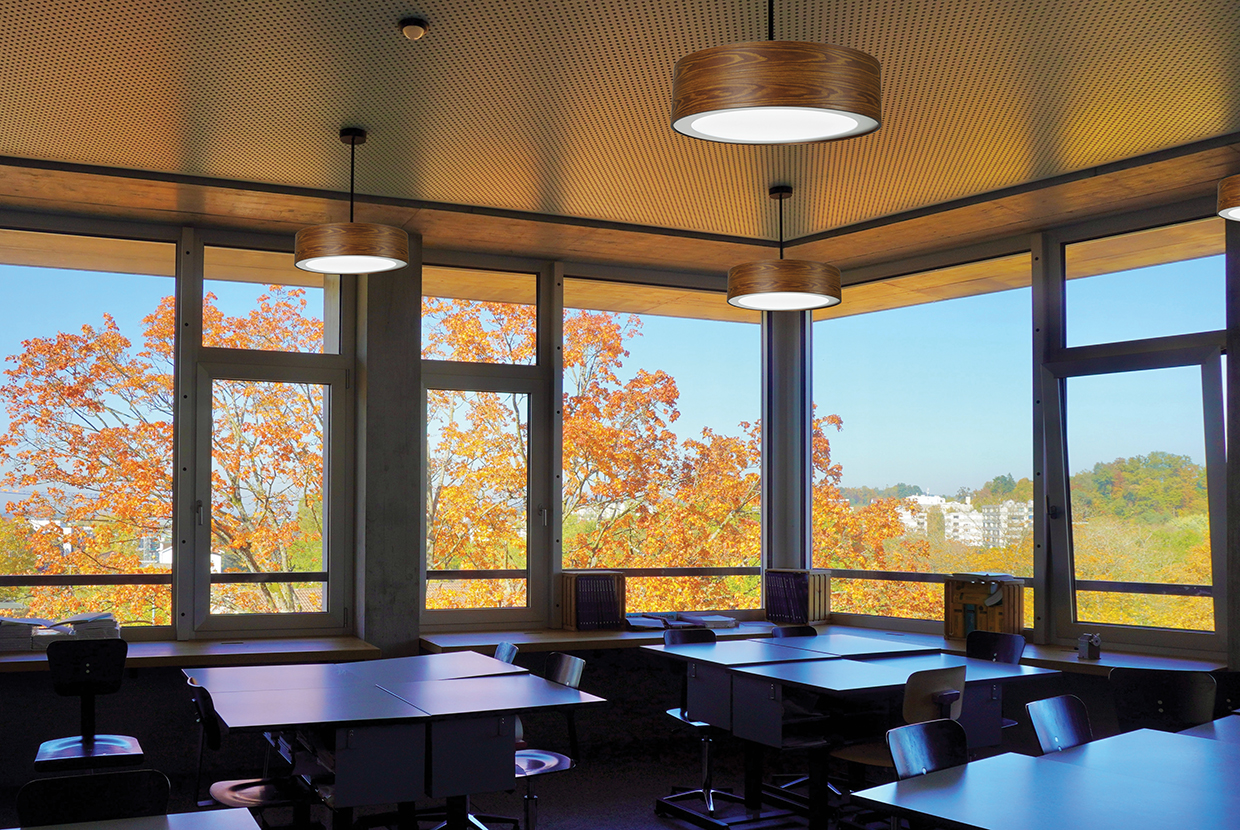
198,512
542,511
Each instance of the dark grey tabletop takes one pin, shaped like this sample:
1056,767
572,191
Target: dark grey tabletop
237,818
737,652
977,671
1016,792
505,693
857,645
279,709
319,676
1162,759
833,675
1226,729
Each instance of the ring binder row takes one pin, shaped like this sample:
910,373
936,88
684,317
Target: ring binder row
592,600
796,596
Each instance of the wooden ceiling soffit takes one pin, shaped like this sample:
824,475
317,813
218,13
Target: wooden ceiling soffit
629,298
1119,189
1141,249
88,253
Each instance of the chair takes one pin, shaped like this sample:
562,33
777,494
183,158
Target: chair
1060,722
994,646
928,695
932,745
1160,699
565,670
505,652
794,631
706,793
1227,695
997,648
99,797
84,669
251,793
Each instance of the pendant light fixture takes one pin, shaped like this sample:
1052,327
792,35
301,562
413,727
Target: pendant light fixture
776,92
1229,198
783,284
352,247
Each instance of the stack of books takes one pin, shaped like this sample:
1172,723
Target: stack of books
15,634
99,625
592,600
798,597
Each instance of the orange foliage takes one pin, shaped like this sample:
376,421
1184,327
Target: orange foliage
90,441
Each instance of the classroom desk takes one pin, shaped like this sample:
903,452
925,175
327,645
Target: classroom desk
322,675
709,684
1107,788
235,819
1226,729
858,645
399,731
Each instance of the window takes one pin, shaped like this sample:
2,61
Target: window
487,419
1136,463
260,300
922,436
474,316
1150,283
267,480
87,437
1140,500
476,499
661,444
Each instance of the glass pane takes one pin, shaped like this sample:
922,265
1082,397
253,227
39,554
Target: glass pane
477,485
922,447
86,422
662,448
909,600
476,593
692,593
267,492
268,598
1136,453
260,300
1152,283
479,316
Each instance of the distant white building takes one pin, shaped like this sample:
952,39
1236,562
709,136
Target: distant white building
1006,523
961,521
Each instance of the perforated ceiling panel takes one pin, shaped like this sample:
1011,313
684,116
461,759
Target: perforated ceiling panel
562,107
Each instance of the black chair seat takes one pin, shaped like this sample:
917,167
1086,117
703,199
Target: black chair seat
541,761
253,793
64,754
103,796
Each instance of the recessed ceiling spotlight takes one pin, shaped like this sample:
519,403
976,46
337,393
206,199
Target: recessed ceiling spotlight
414,27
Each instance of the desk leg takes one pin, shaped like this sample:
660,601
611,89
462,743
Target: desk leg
819,789
457,812
754,757
407,816
342,818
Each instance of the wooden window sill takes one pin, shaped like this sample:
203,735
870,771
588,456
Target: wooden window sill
238,652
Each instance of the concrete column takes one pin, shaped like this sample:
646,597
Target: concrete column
389,456
787,409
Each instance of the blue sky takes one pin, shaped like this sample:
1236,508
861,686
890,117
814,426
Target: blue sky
936,395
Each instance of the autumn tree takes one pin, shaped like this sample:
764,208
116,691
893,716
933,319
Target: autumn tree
90,441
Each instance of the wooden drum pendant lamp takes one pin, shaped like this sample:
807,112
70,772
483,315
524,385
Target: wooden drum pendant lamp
1229,198
776,92
351,247
783,284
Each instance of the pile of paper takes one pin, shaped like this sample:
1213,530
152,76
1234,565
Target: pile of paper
15,634
93,626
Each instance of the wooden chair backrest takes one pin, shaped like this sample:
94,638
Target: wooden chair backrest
994,646
932,745
921,688
1060,722
794,631
1162,699
684,636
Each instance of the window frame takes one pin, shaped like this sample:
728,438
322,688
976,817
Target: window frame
1054,363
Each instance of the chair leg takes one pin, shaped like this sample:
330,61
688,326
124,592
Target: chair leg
708,775
531,805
